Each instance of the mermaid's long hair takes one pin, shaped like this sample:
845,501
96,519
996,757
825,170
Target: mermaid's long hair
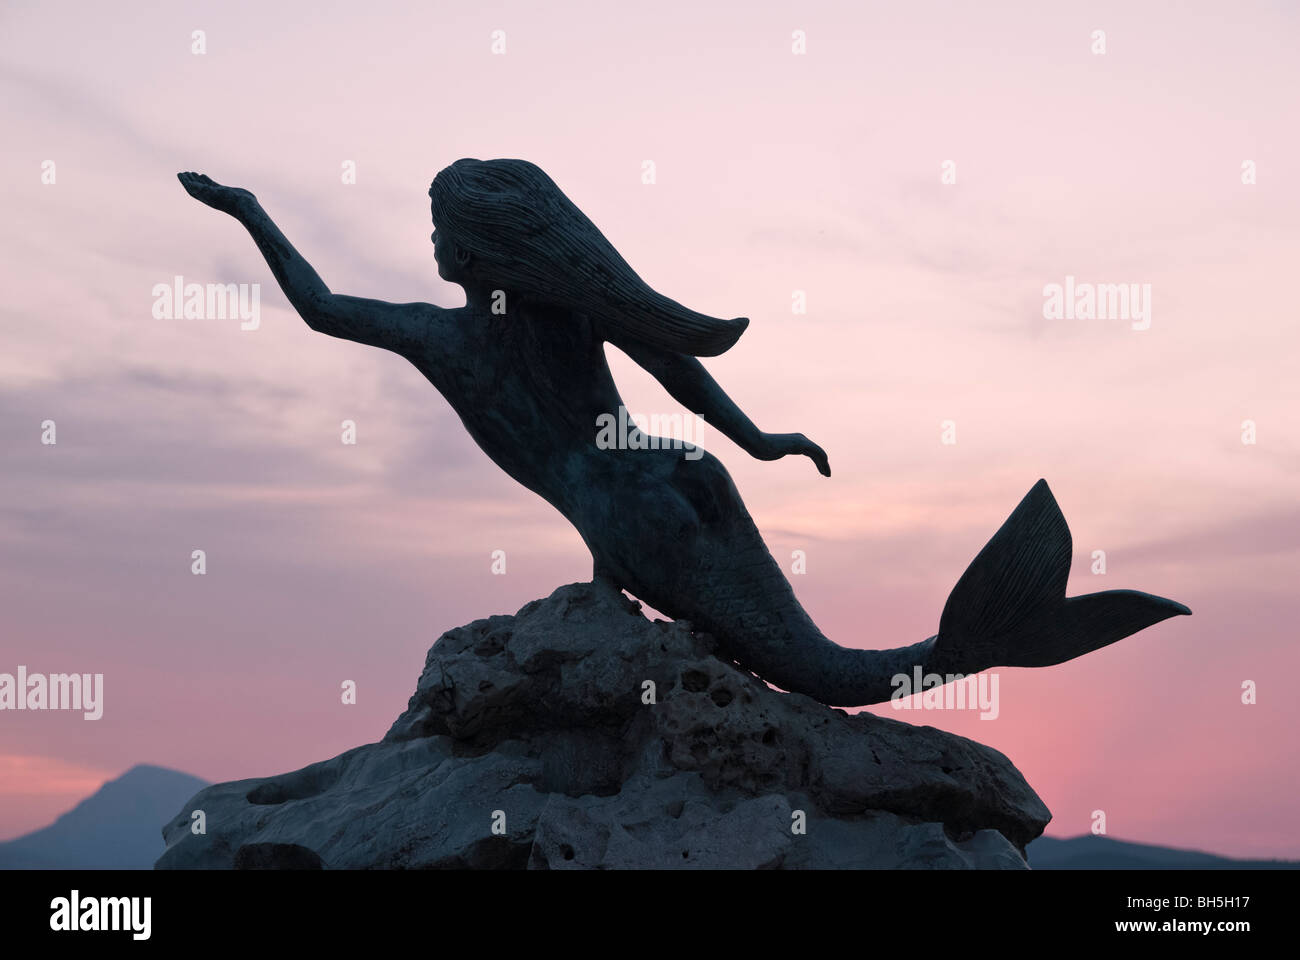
534,241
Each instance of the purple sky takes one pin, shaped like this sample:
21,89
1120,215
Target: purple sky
775,173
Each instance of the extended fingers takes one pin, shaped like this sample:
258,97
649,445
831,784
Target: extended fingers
816,454
190,178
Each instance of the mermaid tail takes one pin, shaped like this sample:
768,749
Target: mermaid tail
1008,609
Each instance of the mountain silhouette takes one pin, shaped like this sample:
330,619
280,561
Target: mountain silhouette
1090,852
118,827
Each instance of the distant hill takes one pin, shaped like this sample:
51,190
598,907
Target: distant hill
118,827
1090,852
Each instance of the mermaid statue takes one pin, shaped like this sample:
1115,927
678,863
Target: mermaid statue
523,365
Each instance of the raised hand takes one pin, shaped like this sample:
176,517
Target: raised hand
778,445
203,188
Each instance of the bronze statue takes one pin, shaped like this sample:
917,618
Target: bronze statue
531,383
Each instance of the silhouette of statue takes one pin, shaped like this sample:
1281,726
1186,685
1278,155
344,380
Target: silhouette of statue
530,384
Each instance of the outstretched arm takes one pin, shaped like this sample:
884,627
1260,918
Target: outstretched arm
401,327
685,378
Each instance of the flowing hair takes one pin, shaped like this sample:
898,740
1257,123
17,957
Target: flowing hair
534,240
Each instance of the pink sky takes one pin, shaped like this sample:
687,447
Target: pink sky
775,172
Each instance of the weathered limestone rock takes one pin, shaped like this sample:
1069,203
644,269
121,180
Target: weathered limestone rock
540,720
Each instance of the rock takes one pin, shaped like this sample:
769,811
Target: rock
276,856
529,742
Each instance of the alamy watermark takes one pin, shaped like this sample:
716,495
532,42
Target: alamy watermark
179,300
949,691
58,691
76,913
636,431
1098,301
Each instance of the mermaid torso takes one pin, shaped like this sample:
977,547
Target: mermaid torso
529,388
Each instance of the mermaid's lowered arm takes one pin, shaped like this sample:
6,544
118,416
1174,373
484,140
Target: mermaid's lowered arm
685,378
401,327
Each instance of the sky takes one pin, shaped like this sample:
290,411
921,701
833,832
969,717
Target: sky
774,172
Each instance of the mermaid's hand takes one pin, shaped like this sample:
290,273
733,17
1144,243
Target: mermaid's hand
206,190
778,445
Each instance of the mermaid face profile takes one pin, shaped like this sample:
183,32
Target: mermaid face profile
452,259
672,530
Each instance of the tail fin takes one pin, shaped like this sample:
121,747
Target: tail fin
1009,608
